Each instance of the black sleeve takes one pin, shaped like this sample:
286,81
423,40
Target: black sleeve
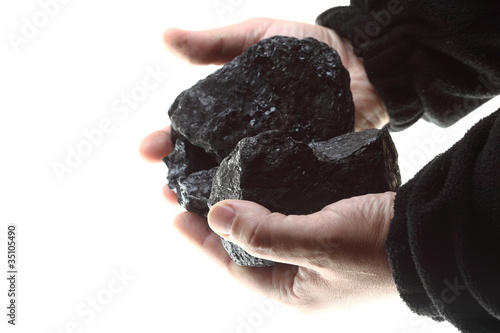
437,60
444,239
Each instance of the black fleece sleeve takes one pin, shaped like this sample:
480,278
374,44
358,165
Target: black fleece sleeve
444,240
433,59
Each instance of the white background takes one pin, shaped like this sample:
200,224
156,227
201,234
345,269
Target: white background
107,216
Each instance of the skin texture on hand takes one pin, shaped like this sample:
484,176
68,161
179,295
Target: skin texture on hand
332,258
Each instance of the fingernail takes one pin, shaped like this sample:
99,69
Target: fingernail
220,219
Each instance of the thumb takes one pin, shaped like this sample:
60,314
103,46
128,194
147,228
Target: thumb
215,46
293,239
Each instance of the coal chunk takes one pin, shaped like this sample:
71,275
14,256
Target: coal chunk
295,177
194,191
190,173
242,258
281,83
274,126
361,162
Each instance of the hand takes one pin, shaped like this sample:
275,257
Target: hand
334,258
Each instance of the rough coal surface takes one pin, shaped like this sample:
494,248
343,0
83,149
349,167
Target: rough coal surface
281,83
242,258
274,126
190,173
194,191
314,174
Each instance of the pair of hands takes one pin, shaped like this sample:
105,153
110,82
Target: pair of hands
333,258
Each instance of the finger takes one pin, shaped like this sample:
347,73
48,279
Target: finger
215,46
271,281
156,145
169,195
293,239
195,228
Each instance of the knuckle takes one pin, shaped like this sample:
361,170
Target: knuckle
257,242
258,238
301,299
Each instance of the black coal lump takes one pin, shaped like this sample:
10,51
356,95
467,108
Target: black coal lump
274,126
190,174
281,83
295,177
361,163
194,191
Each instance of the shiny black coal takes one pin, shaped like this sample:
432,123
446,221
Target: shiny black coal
274,126
294,177
281,83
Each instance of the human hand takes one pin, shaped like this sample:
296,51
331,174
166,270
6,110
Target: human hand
334,258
